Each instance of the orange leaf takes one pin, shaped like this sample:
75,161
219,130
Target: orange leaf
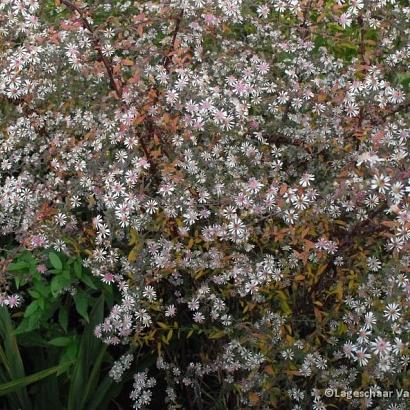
283,189
321,269
308,244
157,140
293,372
254,398
139,120
127,61
140,17
318,314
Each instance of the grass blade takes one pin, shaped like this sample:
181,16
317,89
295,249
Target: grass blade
16,384
11,358
87,356
94,376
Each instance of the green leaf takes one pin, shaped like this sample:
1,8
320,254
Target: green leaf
34,294
17,266
16,384
42,303
60,341
404,79
25,326
78,268
94,376
100,396
31,308
88,281
46,393
28,257
55,261
58,283
71,260
11,358
32,339
71,352
63,318
33,269
81,304
42,288
90,348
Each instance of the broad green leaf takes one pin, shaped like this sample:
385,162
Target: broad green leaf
55,261
17,266
29,323
60,341
88,281
58,283
25,326
42,303
78,268
71,352
34,294
32,339
42,288
31,308
71,260
81,304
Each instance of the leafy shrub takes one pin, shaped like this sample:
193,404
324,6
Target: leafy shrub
50,338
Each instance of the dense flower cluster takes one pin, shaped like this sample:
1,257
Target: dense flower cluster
237,170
